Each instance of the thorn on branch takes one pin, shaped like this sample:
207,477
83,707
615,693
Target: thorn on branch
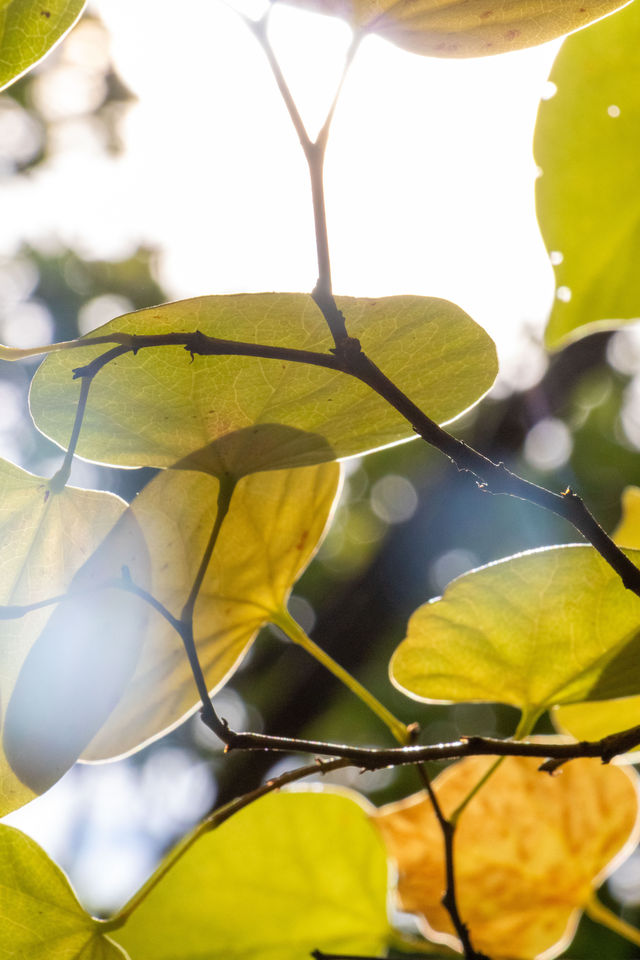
552,767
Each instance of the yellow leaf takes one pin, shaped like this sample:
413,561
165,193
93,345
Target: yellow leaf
466,28
274,525
627,533
529,850
593,720
46,537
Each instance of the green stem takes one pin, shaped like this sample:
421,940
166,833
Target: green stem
607,918
294,631
524,728
225,493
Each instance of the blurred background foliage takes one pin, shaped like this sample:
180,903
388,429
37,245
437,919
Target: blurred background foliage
407,523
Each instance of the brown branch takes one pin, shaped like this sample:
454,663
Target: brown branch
374,758
199,344
493,477
449,899
350,359
314,152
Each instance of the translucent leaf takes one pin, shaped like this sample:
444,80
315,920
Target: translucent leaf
157,407
548,627
291,873
273,528
40,917
466,28
77,669
591,721
627,533
45,538
586,144
529,850
29,29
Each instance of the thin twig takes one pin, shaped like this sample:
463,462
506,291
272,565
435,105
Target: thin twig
321,955
314,151
449,899
199,344
494,478
59,480
374,758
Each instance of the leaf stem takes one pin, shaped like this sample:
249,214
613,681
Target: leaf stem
597,911
225,493
524,728
294,631
59,480
185,624
314,151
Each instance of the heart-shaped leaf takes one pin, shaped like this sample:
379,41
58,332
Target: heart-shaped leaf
465,28
292,873
29,29
272,529
159,406
40,917
529,850
548,627
593,720
586,144
77,669
46,537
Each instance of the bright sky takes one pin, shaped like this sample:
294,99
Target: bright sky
430,190
429,173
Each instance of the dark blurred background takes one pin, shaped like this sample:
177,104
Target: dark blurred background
408,522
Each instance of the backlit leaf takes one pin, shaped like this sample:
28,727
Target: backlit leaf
291,873
28,31
627,533
45,538
466,28
158,406
273,527
40,917
529,850
586,143
77,669
593,720
548,627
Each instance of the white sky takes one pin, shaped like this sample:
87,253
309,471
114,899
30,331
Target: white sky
429,174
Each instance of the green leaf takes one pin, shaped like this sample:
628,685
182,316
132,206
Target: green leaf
549,627
591,721
273,528
586,144
29,29
466,28
40,917
158,406
45,538
291,873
